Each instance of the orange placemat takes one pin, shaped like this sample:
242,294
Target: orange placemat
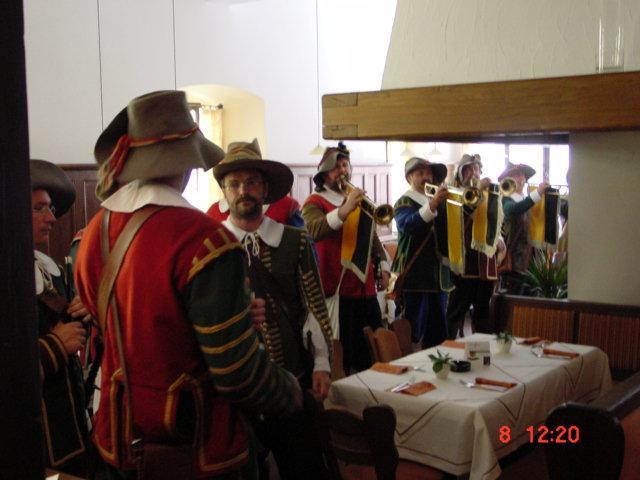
530,341
418,388
562,353
452,344
496,383
388,368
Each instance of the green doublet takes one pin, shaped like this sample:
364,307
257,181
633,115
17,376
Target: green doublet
294,269
427,274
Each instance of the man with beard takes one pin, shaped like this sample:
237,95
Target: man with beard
182,362
282,270
324,214
426,280
515,228
475,285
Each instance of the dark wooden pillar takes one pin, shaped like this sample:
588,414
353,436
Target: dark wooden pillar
20,427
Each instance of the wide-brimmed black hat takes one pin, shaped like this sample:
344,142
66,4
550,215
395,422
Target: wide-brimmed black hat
438,170
48,176
247,156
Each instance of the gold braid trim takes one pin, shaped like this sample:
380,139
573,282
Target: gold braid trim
214,252
238,364
226,324
229,345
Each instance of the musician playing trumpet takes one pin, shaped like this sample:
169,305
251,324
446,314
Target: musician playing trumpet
423,280
474,286
325,213
515,228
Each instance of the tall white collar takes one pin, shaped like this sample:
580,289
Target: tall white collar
135,195
45,267
417,197
333,197
269,231
223,206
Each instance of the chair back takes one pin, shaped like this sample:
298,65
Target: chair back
402,329
387,345
371,342
597,453
367,440
337,363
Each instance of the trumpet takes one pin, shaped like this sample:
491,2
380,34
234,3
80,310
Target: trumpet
382,214
507,186
471,196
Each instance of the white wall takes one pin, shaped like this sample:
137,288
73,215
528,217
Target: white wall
604,224
86,60
461,41
63,79
438,42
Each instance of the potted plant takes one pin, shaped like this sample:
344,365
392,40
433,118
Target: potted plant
546,278
441,364
504,341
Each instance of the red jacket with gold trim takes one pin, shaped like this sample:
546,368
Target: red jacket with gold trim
164,359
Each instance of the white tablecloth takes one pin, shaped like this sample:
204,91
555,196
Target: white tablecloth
455,428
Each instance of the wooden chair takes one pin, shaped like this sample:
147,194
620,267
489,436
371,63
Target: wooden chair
337,363
387,345
402,329
371,342
363,448
609,443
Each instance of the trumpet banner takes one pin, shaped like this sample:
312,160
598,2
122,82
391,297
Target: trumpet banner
450,235
357,239
487,222
543,219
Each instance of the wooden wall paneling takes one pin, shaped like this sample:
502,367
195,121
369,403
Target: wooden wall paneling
556,325
537,111
83,177
617,336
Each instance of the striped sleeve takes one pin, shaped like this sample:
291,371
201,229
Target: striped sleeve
311,288
53,356
217,303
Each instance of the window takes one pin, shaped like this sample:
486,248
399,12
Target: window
202,190
549,161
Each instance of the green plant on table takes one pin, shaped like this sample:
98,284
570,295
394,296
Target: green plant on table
505,337
440,360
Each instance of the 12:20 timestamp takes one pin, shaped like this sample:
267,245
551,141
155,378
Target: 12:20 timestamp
544,434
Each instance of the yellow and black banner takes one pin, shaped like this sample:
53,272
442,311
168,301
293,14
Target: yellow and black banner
543,219
450,234
487,221
357,238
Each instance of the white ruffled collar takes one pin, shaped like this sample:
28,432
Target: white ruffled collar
45,267
417,197
333,197
269,231
137,194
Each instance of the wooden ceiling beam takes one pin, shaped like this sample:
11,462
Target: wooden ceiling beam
540,110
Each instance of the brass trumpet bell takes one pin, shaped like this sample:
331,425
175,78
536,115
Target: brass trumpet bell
507,186
382,214
471,196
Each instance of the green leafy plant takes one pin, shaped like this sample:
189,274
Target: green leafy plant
505,336
440,360
546,278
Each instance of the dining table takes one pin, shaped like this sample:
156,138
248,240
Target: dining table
464,426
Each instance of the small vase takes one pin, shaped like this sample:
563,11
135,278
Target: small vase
504,346
444,373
